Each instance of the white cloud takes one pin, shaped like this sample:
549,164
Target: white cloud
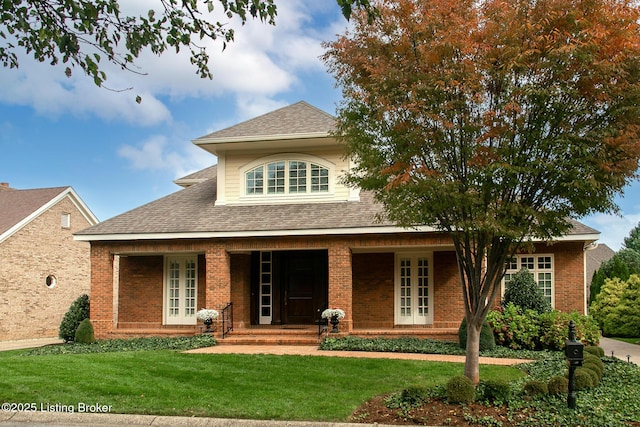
613,228
263,62
157,153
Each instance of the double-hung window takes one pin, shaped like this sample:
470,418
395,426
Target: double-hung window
541,266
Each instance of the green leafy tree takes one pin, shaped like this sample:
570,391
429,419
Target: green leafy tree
493,121
622,265
597,280
633,241
607,300
624,318
84,33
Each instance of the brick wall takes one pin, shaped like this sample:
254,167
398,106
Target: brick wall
448,307
28,308
140,291
568,257
373,290
241,289
370,305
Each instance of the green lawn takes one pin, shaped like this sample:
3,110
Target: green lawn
166,382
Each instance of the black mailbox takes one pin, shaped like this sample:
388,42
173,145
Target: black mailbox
574,351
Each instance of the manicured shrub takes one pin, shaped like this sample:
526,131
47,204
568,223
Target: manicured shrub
589,358
523,291
595,378
460,389
487,341
558,385
583,379
535,387
595,369
78,311
595,350
514,327
84,333
414,396
496,391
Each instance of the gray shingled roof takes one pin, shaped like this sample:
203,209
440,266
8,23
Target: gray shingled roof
192,210
298,118
16,205
199,176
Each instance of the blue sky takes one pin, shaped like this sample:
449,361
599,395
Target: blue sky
118,155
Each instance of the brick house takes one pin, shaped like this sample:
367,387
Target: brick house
273,231
43,268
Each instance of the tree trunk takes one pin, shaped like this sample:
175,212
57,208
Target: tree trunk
472,360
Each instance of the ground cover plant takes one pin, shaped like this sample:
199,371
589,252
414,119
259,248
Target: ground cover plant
614,402
169,382
134,344
418,345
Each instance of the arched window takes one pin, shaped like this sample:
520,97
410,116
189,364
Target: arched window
287,177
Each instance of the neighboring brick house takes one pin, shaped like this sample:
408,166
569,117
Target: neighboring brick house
42,269
273,230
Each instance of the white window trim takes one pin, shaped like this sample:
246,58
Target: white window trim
287,197
65,220
182,320
535,272
428,320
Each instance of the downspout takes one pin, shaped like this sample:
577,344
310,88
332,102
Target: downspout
588,247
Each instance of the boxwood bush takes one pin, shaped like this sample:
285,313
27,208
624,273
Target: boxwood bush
558,385
535,387
78,311
84,333
460,389
487,341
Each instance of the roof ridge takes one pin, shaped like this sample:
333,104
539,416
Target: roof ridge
298,118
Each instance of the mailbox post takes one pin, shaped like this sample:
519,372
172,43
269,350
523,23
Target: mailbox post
574,352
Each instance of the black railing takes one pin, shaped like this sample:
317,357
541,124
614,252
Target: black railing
323,324
227,319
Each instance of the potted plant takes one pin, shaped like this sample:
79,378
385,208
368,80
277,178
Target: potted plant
207,316
334,315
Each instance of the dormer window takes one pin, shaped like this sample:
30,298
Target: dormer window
287,177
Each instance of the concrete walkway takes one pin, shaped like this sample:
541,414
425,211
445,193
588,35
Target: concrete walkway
21,344
621,350
305,350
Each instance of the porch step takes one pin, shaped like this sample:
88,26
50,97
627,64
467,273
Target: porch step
283,336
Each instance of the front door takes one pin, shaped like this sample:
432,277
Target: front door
303,280
290,287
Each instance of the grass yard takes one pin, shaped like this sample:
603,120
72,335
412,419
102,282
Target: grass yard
166,382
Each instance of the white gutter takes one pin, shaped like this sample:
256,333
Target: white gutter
284,233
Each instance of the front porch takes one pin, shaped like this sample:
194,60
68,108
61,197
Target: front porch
277,287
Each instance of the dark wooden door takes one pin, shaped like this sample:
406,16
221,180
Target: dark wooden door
304,285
